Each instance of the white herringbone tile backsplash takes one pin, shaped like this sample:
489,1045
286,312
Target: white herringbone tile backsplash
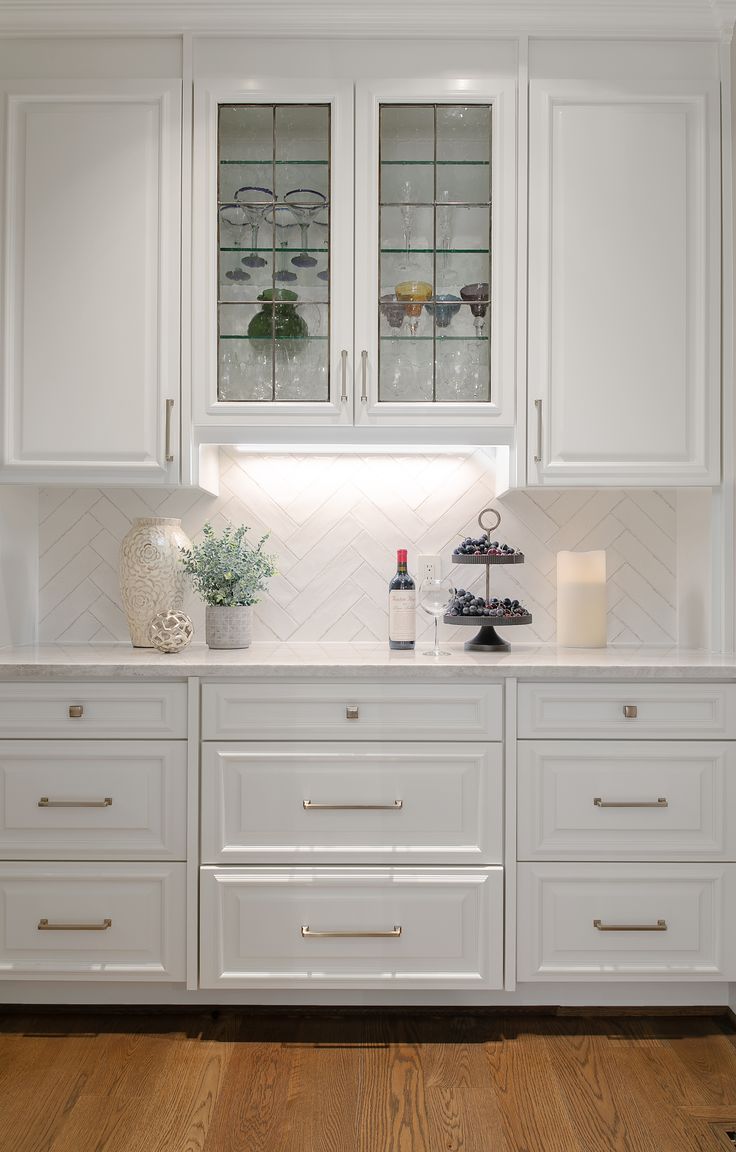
336,522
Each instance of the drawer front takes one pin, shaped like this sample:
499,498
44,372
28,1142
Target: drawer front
630,711
86,711
92,799
353,711
343,803
367,928
92,921
626,921
633,800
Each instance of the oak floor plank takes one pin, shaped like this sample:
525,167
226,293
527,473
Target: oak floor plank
253,1095
392,1109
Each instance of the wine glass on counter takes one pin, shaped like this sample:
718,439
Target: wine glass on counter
436,593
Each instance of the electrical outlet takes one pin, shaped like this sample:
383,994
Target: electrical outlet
428,567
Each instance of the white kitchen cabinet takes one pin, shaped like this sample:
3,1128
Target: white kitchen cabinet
624,265
91,381
432,164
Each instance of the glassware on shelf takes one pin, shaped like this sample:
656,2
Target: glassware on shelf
435,596
444,307
278,318
408,218
281,218
305,203
235,217
413,294
477,296
392,310
444,233
256,202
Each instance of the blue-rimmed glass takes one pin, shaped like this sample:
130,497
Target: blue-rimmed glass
304,204
255,201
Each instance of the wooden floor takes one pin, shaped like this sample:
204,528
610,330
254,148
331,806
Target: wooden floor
370,1082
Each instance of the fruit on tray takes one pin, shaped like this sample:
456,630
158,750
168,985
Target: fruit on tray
466,604
483,546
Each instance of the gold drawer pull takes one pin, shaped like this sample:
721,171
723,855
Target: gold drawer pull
307,933
44,802
660,802
44,926
311,806
76,711
631,711
352,712
660,926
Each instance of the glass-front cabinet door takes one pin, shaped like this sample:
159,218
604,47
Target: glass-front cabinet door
435,254
272,258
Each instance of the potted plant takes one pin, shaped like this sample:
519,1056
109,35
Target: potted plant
228,574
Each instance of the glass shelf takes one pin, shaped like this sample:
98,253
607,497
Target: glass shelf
295,248
440,339
437,163
431,251
435,204
278,163
279,339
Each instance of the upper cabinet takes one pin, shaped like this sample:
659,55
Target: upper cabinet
624,265
91,379
353,258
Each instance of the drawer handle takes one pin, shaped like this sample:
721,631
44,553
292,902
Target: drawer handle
44,926
311,806
631,711
44,802
352,712
660,926
76,711
660,802
307,934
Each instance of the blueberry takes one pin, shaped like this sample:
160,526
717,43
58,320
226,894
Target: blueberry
466,611
460,592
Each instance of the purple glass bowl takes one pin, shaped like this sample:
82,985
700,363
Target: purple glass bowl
393,310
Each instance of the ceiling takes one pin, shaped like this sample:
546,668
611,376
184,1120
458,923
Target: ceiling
429,18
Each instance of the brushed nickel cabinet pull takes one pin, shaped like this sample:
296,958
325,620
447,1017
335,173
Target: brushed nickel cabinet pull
538,456
44,802
631,711
392,933
660,802
660,926
310,806
352,712
344,376
169,456
76,711
364,377
44,926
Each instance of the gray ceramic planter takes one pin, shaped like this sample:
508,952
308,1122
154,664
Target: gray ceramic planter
229,627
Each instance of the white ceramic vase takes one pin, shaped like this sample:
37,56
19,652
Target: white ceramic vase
152,578
229,627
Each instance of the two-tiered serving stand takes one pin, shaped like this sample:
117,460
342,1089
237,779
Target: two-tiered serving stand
487,639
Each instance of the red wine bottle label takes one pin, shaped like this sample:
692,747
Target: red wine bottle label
402,614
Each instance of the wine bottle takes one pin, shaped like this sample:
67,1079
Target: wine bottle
402,606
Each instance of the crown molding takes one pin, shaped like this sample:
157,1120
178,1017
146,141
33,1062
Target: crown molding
380,18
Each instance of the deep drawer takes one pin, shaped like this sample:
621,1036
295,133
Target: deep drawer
626,921
92,921
355,711
632,800
368,928
86,711
343,803
631,711
92,799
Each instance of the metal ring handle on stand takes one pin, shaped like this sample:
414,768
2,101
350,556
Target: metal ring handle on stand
493,528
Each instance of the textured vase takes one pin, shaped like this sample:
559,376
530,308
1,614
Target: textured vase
152,578
229,627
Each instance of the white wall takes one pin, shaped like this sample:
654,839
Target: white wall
18,565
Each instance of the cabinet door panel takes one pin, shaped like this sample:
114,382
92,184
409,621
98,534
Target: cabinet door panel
92,301
623,288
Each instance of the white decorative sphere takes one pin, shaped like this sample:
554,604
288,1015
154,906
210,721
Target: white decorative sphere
170,631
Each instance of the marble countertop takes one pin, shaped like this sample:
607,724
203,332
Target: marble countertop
360,661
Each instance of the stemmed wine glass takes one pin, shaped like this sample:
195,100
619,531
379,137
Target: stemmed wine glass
435,594
235,217
444,231
477,296
305,203
408,216
412,294
255,201
281,217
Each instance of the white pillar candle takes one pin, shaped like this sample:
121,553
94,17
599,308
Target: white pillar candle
581,599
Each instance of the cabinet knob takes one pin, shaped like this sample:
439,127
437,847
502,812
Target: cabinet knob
631,711
76,711
352,712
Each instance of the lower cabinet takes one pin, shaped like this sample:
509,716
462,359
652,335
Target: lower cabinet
96,921
351,927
